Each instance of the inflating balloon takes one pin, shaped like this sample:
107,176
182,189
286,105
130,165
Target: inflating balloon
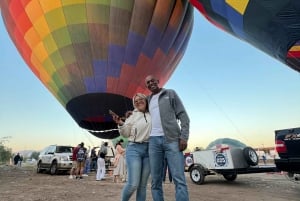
93,55
272,26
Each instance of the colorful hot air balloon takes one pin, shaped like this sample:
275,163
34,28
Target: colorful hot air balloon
272,26
93,55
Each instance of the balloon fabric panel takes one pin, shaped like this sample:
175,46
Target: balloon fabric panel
270,25
93,55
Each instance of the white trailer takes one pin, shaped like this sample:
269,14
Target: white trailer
225,160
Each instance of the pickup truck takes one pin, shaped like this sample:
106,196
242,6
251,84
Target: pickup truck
287,143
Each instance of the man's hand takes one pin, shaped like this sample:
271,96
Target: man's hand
182,145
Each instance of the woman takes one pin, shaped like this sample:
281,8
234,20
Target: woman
101,162
136,128
119,163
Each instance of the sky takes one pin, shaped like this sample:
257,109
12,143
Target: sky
230,90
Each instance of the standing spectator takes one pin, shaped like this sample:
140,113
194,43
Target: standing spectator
94,159
20,161
264,158
119,162
87,165
100,167
80,156
136,128
167,139
103,148
73,170
17,158
101,162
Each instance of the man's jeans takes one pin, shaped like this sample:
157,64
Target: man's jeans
138,170
158,149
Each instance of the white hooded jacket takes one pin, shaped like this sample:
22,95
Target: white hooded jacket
137,127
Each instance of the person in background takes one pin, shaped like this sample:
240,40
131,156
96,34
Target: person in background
136,128
264,158
73,170
168,138
87,165
100,175
17,158
100,167
94,159
119,163
103,148
80,157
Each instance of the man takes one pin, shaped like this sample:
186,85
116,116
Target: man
94,159
167,138
73,170
87,167
103,148
17,158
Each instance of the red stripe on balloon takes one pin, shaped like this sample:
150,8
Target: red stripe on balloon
293,54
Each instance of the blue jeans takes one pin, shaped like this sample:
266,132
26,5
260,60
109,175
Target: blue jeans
138,171
158,149
86,169
165,170
93,165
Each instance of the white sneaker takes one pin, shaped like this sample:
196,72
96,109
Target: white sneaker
71,177
85,175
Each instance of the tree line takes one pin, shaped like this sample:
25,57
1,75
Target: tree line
6,154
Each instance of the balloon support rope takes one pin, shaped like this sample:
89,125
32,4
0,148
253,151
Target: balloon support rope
104,131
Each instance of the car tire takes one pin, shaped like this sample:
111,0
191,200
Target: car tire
250,156
197,174
53,168
38,168
230,177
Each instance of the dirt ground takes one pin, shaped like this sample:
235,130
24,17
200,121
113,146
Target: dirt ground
26,185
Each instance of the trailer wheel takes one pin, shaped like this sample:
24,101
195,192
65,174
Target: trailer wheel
250,156
197,175
230,177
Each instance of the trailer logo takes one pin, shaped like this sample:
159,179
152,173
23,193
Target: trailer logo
220,160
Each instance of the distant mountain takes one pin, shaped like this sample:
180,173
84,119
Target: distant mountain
26,153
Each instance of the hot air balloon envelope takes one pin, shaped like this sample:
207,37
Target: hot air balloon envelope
93,55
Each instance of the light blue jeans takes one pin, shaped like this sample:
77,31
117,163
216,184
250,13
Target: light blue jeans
138,171
87,169
158,149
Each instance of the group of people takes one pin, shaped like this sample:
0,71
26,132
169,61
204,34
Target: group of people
155,136
80,158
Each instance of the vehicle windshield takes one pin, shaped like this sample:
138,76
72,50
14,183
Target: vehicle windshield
64,149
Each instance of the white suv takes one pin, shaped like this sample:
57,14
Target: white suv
55,158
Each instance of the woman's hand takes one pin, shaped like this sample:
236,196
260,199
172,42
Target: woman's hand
128,114
118,120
